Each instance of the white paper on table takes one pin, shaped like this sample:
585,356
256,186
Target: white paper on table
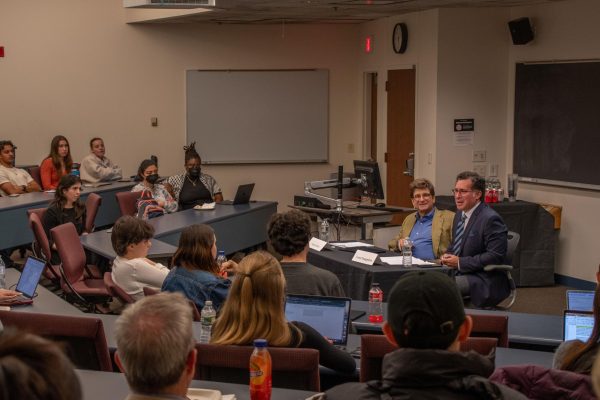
397,260
317,244
348,245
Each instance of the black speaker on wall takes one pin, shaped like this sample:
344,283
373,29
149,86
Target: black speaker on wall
520,30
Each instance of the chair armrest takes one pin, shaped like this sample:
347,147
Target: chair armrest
490,268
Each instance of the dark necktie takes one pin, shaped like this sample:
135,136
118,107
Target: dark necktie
460,230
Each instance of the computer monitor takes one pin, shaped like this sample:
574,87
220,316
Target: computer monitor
369,172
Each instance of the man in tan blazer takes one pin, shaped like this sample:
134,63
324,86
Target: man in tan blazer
429,229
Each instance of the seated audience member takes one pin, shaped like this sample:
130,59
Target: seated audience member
429,229
66,207
427,321
96,167
13,180
479,239
255,309
577,356
193,187
132,270
148,173
195,271
32,367
57,164
289,234
155,347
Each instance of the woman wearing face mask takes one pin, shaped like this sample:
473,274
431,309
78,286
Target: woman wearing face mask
194,187
57,164
148,173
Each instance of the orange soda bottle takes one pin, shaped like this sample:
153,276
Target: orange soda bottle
260,371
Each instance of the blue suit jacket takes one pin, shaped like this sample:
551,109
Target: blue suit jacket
484,243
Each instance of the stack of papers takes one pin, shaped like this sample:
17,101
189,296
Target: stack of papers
208,394
349,245
397,260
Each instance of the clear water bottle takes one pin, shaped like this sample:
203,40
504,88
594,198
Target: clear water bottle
407,245
75,169
207,319
221,258
2,274
324,230
375,304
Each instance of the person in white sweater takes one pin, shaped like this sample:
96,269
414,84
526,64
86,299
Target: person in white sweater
132,270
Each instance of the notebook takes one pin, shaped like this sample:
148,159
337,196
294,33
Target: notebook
242,196
580,300
330,316
578,325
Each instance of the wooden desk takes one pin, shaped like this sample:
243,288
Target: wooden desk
13,211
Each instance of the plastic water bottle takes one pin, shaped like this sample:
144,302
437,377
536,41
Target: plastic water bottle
75,169
324,230
375,304
221,258
207,319
260,371
2,274
407,253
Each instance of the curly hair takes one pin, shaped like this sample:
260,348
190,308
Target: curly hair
289,232
190,152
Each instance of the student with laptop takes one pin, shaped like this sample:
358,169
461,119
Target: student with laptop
255,309
193,188
289,234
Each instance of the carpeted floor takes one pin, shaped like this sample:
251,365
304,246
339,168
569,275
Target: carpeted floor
541,300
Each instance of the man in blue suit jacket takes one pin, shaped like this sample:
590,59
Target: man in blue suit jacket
479,239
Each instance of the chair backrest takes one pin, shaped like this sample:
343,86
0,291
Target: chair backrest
70,251
374,347
513,242
116,291
41,246
127,202
292,368
92,204
148,291
84,337
491,326
35,174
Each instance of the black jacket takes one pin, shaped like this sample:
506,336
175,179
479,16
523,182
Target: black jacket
429,374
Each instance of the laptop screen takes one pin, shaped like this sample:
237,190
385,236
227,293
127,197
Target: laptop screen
327,315
580,300
30,277
578,325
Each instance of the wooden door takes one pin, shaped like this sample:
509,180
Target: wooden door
400,87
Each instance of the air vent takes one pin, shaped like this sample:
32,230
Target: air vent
168,3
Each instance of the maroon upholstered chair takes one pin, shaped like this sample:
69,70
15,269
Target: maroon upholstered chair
116,291
491,326
41,244
92,204
127,202
148,291
84,336
72,255
293,368
35,174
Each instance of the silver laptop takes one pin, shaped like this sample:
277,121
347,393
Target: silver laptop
242,196
580,300
330,316
578,325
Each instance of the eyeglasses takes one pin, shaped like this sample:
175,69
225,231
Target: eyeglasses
422,196
461,191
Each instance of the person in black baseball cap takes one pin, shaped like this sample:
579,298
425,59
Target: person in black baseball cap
427,321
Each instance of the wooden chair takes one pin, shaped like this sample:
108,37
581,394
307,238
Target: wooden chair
84,337
491,326
41,244
92,204
127,202
293,368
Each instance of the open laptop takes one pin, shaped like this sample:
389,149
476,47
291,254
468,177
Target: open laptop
578,325
242,196
330,316
580,300
28,281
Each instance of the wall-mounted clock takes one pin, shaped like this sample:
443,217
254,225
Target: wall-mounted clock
400,38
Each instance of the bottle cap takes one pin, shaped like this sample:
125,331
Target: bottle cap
260,343
374,284
221,252
208,303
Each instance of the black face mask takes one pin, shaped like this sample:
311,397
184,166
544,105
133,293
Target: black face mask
151,179
194,172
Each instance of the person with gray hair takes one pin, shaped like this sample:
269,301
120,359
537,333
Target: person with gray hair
155,347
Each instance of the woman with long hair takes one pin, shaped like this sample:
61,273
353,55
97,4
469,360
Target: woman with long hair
255,308
195,271
578,356
193,187
66,207
148,174
57,164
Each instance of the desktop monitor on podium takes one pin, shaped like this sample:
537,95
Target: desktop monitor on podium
368,171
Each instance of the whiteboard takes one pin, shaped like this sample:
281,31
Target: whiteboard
258,116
